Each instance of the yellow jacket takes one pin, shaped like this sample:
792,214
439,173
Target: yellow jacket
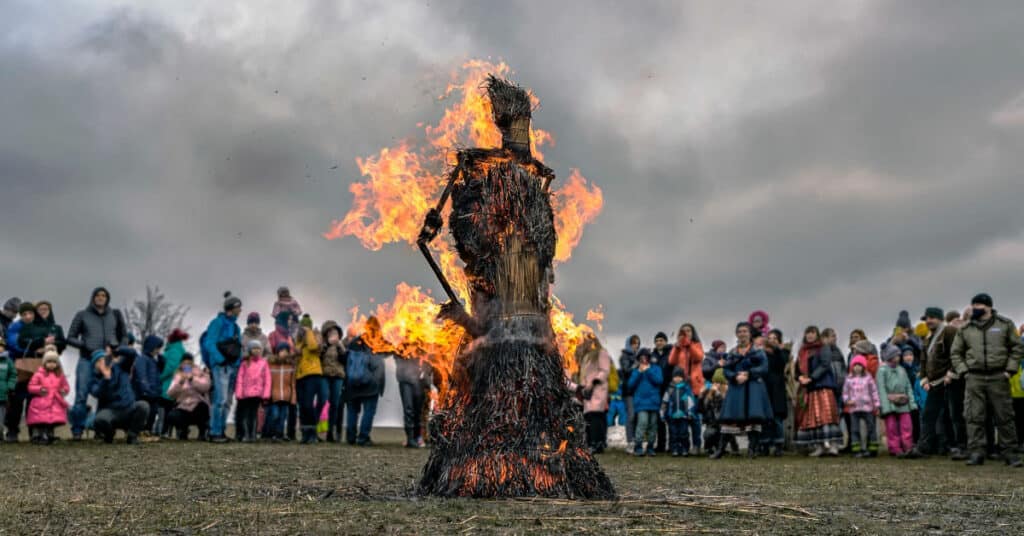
308,346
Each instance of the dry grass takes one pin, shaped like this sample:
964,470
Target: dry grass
174,488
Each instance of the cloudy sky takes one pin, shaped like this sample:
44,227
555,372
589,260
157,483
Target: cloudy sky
831,167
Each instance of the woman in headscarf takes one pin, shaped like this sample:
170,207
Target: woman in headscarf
817,413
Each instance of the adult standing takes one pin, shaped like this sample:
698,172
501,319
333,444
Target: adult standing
93,328
592,387
253,332
627,364
413,381
746,407
332,359
817,411
987,351
222,351
688,354
830,352
365,382
309,380
778,355
935,376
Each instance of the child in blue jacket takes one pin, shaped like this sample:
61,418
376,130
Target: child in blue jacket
645,383
679,408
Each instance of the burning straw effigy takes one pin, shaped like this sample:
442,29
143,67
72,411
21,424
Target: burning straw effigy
509,426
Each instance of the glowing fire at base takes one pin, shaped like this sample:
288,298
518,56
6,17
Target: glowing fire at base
401,185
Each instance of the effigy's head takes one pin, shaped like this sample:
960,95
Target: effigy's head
511,109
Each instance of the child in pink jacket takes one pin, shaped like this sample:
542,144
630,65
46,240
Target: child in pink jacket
860,400
48,409
251,389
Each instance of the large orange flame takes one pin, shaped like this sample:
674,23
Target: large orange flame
402,183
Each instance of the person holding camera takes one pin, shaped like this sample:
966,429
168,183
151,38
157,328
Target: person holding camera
112,387
190,389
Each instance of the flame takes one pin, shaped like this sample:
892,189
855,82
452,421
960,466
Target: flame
597,317
402,183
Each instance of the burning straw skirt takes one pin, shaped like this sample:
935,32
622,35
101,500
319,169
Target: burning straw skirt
817,418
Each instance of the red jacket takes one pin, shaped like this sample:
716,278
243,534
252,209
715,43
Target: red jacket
688,355
253,379
49,408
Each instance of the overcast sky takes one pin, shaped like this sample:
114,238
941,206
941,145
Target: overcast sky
831,166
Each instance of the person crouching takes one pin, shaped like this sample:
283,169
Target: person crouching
112,387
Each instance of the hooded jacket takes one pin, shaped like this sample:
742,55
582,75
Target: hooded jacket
172,360
332,357
376,369
627,363
689,355
987,347
115,392
894,380
309,354
93,330
679,402
253,379
188,394
860,393
646,388
146,374
50,408
221,328
595,367
33,336
12,336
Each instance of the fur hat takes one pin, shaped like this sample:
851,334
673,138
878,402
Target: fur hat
51,356
231,301
864,347
177,335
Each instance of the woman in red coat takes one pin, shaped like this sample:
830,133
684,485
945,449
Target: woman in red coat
688,354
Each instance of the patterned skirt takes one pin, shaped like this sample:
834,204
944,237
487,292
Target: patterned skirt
818,418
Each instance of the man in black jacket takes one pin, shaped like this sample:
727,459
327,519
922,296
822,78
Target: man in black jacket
936,376
93,328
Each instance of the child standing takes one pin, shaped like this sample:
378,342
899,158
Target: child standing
282,392
252,388
896,397
860,401
645,383
711,401
8,380
286,303
678,408
47,409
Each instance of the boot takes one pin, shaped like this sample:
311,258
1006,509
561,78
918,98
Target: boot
133,438
753,440
410,438
976,458
957,454
818,451
720,449
1012,460
777,451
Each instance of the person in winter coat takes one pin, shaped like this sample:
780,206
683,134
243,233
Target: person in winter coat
8,379
759,326
282,392
831,351
714,360
817,412
173,353
43,331
988,351
223,335
26,317
774,436
860,400
92,329
1017,395
413,376
286,303
710,407
860,345
660,356
688,354
8,313
112,387
678,408
309,380
592,387
190,389
627,364
146,380
911,367
283,333
47,409
17,399
896,397
253,332
645,384
936,377
747,407
333,356
364,386
251,389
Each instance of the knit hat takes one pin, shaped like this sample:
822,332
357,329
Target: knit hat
890,352
177,335
903,321
282,346
11,305
306,321
933,312
126,351
719,376
254,318
678,371
283,291
859,360
864,347
716,343
131,338
644,352
982,299
254,344
151,343
231,301
26,307
51,356
98,354
660,335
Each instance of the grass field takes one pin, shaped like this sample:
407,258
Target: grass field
191,488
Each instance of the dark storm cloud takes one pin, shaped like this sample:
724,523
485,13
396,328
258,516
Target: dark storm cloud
830,167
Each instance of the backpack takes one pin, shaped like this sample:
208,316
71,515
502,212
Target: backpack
357,373
613,380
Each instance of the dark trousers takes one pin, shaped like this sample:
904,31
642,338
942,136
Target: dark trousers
955,394
277,417
412,410
1018,419
131,419
154,409
247,414
597,429
661,445
360,410
291,420
915,423
989,394
17,400
630,419
312,394
773,433
940,428
679,435
336,413
858,441
181,420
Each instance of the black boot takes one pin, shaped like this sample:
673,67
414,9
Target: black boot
754,444
976,458
1012,459
720,450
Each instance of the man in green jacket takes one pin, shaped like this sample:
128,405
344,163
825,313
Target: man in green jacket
987,351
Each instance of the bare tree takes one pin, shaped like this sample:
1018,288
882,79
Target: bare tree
155,315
